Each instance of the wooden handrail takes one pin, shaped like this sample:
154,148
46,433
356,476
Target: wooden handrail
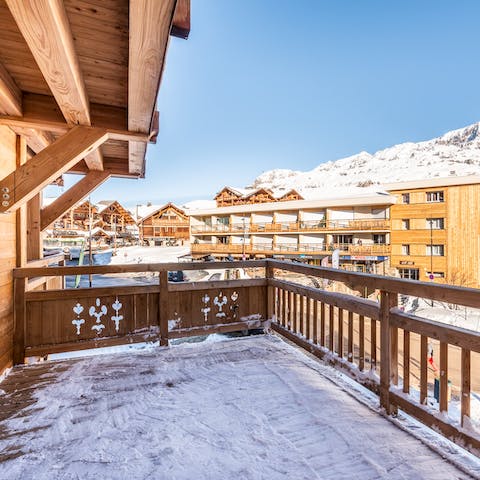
27,272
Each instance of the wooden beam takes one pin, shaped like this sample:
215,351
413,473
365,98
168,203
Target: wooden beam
136,157
21,213
181,20
34,234
45,27
94,160
37,140
73,195
149,27
41,112
10,94
25,182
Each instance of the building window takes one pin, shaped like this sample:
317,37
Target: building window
434,197
405,198
405,224
380,239
409,273
437,274
435,223
343,239
435,250
405,249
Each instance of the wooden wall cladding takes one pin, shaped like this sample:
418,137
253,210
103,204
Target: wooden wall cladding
7,253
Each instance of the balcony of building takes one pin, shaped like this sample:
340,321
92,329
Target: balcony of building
357,225
269,249
234,397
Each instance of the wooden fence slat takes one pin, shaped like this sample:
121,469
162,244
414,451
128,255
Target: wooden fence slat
19,316
322,324
350,337
443,376
302,317
406,361
309,319
315,321
331,327
387,301
361,342
340,333
163,307
373,344
423,369
466,379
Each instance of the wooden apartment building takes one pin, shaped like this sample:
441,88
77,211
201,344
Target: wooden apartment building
165,225
425,230
357,227
435,230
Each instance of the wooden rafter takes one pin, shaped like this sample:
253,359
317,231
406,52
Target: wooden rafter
73,195
10,94
181,19
45,27
149,27
27,180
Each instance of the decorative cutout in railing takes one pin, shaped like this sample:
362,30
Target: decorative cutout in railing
98,326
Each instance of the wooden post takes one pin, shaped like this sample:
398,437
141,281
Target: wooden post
350,337
387,301
423,369
406,361
34,234
19,316
443,376
466,375
361,342
271,297
163,307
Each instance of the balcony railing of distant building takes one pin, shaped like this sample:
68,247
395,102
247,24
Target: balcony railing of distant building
300,248
302,226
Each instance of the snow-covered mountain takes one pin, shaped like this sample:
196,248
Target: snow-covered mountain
457,153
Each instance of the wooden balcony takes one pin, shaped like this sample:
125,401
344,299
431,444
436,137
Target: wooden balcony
378,225
377,343
279,249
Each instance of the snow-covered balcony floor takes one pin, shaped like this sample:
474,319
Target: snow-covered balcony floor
251,408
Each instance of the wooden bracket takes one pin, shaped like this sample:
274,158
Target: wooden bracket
73,195
29,179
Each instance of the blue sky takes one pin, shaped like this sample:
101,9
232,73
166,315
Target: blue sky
263,84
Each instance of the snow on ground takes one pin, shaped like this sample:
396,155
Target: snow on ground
252,408
149,254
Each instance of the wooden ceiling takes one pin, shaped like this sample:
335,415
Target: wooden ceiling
93,63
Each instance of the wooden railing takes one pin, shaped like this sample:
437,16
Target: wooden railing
59,320
300,248
372,340
367,224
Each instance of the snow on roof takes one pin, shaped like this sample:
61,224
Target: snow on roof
199,205
365,198
433,182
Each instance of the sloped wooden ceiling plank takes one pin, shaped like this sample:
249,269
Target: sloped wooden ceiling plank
45,27
10,94
27,180
73,195
181,19
150,23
